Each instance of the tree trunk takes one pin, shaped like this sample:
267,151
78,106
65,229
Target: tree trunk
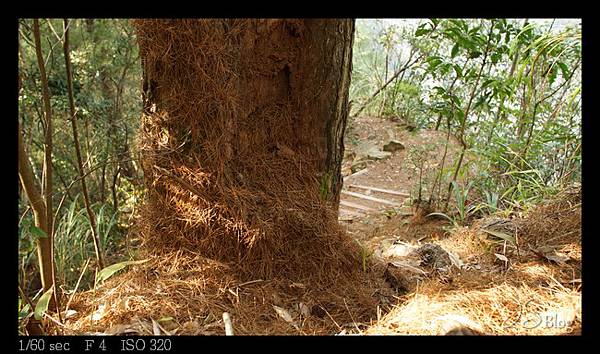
242,134
46,246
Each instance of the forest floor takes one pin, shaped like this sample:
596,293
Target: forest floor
492,286
496,275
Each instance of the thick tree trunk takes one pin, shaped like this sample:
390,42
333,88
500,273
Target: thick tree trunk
304,64
254,112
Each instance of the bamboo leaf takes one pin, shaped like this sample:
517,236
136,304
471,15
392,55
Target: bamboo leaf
564,69
444,216
24,311
37,232
42,305
455,50
109,271
501,235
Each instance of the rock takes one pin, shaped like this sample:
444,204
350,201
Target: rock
459,325
410,127
346,171
320,311
398,250
396,279
349,155
393,145
348,218
376,154
437,260
463,331
357,166
508,226
433,256
370,151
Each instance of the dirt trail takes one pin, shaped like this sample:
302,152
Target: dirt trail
383,211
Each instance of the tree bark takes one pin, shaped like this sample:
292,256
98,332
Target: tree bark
256,110
313,74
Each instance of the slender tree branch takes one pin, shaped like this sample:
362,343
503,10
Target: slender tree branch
396,74
86,199
46,243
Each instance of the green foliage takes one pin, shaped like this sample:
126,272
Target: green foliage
461,198
73,244
510,89
365,254
445,216
106,88
24,310
37,232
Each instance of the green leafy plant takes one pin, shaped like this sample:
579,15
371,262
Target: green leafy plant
365,254
461,196
445,216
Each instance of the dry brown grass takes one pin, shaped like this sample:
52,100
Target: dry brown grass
532,297
193,292
498,310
